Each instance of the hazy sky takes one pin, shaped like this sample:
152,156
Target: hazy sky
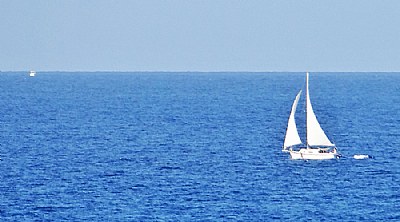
203,35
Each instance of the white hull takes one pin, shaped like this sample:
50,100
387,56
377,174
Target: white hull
313,154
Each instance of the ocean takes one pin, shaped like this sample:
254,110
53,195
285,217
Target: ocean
194,147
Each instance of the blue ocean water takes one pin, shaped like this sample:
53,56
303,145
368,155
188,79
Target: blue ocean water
194,147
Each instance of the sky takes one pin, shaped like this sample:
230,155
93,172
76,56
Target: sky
200,35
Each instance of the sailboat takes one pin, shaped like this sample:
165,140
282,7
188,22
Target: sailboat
318,146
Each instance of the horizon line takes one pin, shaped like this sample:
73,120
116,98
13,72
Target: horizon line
188,71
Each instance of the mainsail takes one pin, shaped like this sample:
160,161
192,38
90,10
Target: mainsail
315,134
292,136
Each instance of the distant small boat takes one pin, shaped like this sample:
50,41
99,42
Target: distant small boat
361,156
318,146
32,73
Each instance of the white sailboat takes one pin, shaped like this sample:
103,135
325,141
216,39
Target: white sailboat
318,146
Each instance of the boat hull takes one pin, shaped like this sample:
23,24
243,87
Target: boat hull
313,154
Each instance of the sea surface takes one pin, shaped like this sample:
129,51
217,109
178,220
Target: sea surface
195,147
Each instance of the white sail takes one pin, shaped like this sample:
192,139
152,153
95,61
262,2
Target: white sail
315,134
292,136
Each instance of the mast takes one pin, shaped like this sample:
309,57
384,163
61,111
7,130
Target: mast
306,109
